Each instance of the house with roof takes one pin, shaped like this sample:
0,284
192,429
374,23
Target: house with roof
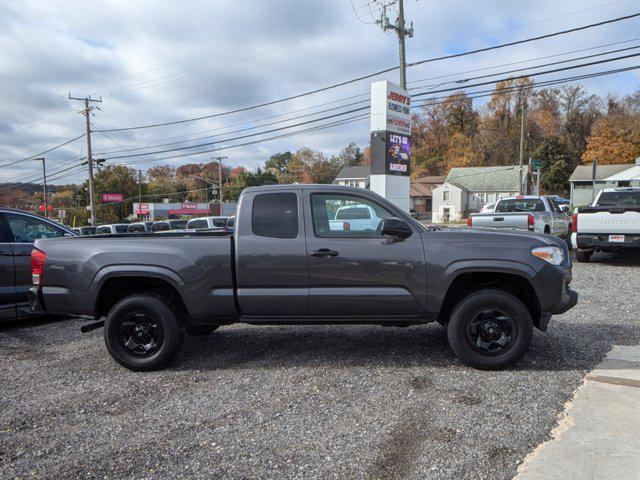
607,176
420,188
421,192
467,189
353,176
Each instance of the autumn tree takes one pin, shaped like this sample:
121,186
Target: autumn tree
615,138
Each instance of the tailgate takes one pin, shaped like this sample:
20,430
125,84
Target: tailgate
613,220
501,220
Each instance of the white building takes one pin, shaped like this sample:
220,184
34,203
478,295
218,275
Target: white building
467,189
607,176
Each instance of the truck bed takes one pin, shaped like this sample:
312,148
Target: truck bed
518,220
609,220
198,264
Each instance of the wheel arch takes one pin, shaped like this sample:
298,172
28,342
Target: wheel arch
467,280
113,285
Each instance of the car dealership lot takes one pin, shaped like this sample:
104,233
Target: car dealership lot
311,401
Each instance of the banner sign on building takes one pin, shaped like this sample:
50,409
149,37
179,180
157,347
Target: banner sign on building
398,154
390,108
391,142
112,197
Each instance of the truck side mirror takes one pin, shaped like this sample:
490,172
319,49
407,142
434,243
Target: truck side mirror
565,208
395,227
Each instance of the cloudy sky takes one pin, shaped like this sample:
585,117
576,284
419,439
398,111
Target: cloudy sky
162,61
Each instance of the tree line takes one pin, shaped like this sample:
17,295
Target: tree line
564,127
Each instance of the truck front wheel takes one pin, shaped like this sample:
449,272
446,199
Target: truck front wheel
142,332
490,330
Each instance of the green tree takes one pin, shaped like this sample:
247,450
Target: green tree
555,165
278,162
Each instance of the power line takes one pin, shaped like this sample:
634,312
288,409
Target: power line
243,136
526,40
380,72
43,152
533,74
482,35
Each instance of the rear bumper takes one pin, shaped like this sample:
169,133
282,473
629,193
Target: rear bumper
36,302
600,241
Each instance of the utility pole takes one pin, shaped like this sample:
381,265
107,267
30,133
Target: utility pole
220,178
523,109
140,193
86,111
402,32
44,186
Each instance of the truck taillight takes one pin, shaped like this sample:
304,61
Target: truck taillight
469,222
531,221
37,266
574,222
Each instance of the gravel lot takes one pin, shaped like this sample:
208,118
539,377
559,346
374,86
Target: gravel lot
300,402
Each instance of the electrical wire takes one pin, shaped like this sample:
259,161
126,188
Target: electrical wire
380,72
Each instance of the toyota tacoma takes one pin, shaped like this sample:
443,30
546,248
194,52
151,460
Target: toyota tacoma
296,258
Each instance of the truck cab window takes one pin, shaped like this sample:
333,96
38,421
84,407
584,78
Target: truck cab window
275,215
346,216
28,230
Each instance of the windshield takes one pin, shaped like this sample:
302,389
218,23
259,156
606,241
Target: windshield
175,224
520,205
619,199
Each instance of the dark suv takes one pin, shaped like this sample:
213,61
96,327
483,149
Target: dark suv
18,231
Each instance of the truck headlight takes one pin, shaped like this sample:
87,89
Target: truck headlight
553,255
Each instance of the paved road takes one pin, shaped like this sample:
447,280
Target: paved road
300,402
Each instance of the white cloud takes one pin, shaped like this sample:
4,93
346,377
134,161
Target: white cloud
203,57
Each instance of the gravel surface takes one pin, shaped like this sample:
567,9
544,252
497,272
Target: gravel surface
300,402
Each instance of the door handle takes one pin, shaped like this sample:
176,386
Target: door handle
323,252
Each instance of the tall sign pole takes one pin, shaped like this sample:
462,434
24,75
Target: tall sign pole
391,142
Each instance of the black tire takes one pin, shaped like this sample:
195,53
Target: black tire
138,319
583,256
476,322
200,329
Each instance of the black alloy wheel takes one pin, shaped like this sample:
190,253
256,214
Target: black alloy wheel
491,332
140,334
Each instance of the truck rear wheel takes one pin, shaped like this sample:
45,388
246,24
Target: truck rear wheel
490,330
583,256
142,332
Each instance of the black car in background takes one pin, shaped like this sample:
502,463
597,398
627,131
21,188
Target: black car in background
18,231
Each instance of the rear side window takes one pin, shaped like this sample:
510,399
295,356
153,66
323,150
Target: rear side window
121,228
197,224
160,227
520,205
619,199
352,213
28,229
136,228
275,215
103,230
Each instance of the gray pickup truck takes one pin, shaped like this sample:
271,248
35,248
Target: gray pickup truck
540,214
290,262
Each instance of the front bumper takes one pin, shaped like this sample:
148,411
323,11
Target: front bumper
554,292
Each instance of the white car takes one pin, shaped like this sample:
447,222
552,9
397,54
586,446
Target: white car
112,229
610,224
358,217
489,207
207,222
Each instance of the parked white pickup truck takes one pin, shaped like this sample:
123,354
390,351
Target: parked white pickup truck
540,214
611,223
